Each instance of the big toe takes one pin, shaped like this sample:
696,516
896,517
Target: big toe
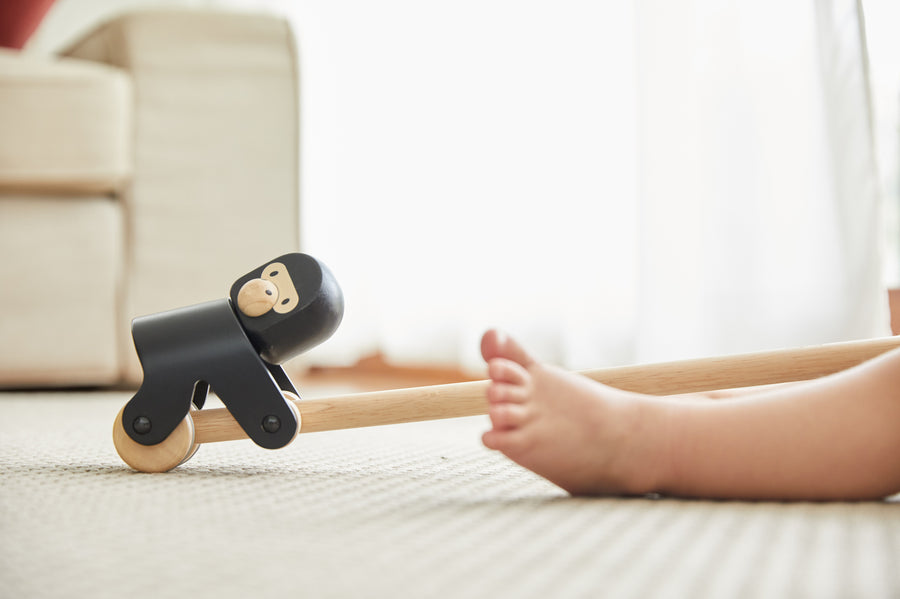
497,344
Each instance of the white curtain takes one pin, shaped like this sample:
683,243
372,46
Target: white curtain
477,168
613,182
760,205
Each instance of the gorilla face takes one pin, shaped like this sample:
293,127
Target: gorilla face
288,306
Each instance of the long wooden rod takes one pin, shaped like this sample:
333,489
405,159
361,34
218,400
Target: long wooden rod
468,399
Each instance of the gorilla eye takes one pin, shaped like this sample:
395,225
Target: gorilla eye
286,301
274,273
268,292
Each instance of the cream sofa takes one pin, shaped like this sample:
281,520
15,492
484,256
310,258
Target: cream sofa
146,168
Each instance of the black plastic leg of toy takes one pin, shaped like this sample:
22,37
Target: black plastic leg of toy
185,351
281,378
201,390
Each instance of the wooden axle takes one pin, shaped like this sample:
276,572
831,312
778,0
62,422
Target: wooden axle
468,399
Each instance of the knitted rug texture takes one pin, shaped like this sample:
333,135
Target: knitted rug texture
413,510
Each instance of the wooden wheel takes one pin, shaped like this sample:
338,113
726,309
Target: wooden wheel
196,445
176,449
292,400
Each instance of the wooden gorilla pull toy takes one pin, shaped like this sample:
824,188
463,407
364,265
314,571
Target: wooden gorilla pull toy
291,304
235,346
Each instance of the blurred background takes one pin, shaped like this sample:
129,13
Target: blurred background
613,182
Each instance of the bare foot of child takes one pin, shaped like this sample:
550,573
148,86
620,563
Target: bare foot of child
586,437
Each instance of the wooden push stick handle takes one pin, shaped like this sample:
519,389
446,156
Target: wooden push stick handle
468,399
361,409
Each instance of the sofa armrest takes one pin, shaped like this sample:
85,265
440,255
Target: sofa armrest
216,157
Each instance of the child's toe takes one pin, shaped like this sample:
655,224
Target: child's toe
506,393
502,370
505,416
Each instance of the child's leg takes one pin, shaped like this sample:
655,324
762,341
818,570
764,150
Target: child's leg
835,438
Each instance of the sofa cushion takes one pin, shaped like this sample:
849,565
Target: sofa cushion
59,280
66,124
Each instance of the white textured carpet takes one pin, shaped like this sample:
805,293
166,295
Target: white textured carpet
416,510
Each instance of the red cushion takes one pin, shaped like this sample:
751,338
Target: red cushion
19,19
